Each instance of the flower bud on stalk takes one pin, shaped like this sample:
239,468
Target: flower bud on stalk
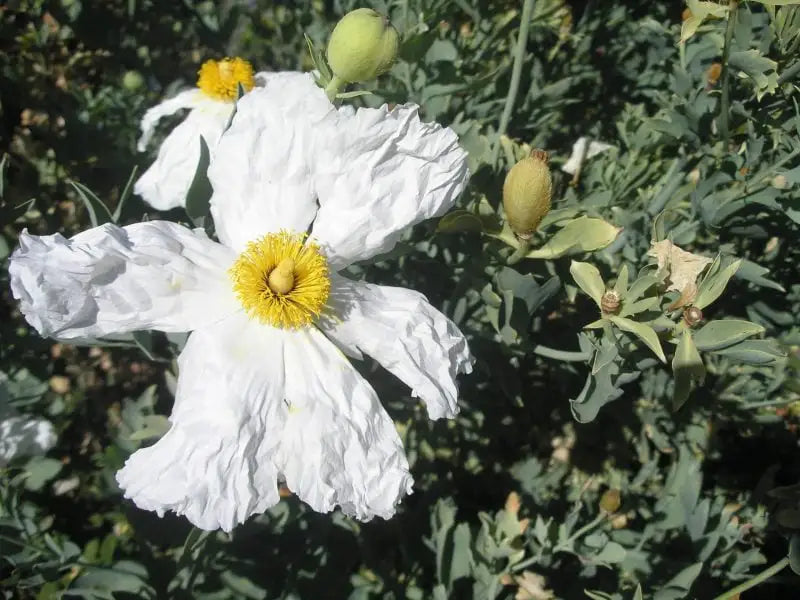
526,194
363,45
610,501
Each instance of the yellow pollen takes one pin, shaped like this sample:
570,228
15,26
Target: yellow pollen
282,280
220,79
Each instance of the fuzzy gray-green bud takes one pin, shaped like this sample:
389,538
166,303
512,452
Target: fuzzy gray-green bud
363,45
526,193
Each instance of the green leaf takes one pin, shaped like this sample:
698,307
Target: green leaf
611,553
687,368
584,234
713,285
794,553
621,286
39,470
640,286
459,220
778,2
762,71
679,586
723,333
199,194
634,308
154,426
320,64
644,332
126,193
98,211
589,280
754,352
700,11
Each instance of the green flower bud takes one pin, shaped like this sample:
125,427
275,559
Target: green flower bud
363,45
610,501
132,80
526,194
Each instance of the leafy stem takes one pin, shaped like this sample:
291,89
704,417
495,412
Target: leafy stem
763,576
725,101
516,73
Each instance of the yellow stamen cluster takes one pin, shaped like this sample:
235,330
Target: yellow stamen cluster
220,79
282,280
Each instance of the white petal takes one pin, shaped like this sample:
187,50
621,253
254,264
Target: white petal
166,182
339,447
578,149
187,99
405,334
378,172
109,280
215,465
261,173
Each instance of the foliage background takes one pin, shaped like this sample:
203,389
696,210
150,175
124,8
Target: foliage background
699,508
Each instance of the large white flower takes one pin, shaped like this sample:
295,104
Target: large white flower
165,184
265,392
21,435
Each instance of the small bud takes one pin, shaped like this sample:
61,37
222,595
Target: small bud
609,303
363,45
692,316
60,384
619,522
132,80
526,193
713,73
610,501
512,503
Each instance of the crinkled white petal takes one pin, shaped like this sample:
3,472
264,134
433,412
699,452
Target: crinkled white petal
166,182
339,446
377,172
110,280
21,435
261,174
215,465
578,149
186,99
405,334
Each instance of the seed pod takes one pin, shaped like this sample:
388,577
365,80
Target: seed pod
610,302
610,501
363,45
692,316
526,194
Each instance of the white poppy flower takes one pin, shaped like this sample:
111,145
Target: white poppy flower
265,392
21,435
165,184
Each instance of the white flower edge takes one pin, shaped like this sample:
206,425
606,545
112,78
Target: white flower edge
407,336
21,435
578,150
299,411
374,172
110,280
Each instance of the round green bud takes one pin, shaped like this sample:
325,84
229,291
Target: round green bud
363,45
526,194
610,501
132,80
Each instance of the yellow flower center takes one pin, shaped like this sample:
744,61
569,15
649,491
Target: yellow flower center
220,79
282,280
